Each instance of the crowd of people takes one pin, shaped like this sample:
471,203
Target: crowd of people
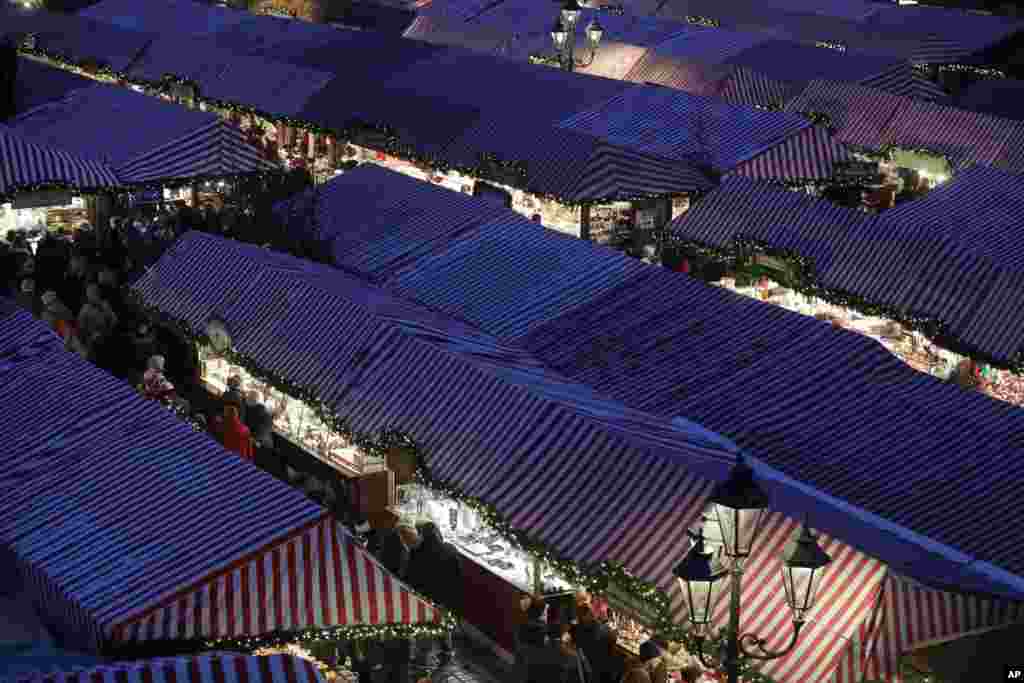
582,649
74,281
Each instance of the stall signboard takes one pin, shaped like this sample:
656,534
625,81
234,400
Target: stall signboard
622,601
38,200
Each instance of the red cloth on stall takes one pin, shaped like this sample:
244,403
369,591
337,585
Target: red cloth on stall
234,435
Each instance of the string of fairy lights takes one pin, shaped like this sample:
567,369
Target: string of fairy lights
806,281
386,138
593,579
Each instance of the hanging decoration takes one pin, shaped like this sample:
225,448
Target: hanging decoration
389,142
592,579
740,249
9,193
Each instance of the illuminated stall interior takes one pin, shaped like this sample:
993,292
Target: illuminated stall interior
294,420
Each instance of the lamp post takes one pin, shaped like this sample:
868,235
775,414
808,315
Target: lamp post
563,36
739,507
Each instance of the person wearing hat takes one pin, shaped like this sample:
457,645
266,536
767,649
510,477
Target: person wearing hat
233,395
154,384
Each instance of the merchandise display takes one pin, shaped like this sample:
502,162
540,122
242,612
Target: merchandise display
63,212
911,347
462,527
564,219
293,419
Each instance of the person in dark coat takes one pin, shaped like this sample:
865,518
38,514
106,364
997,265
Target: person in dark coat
259,420
580,668
435,571
615,661
392,656
531,640
28,298
51,263
72,289
551,663
233,395
594,639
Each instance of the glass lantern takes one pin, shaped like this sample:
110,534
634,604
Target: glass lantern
700,583
802,570
740,507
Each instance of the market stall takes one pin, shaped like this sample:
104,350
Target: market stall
43,188
264,599
294,418
213,667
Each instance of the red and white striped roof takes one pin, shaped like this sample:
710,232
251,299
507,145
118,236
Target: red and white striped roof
316,578
912,616
209,668
848,593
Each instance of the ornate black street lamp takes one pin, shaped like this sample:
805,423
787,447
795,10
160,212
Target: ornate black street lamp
739,507
563,36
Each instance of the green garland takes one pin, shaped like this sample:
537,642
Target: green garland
706,22
822,119
380,444
595,579
354,632
807,283
545,60
394,145
11,192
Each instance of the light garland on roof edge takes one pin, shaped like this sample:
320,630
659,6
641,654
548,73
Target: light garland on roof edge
593,579
392,144
741,248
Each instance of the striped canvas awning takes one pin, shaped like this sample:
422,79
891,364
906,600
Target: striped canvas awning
677,125
861,115
746,86
24,164
92,549
910,616
315,578
965,136
215,150
809,155
614,172
673,72
746,207
206,668
847,596
930,91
